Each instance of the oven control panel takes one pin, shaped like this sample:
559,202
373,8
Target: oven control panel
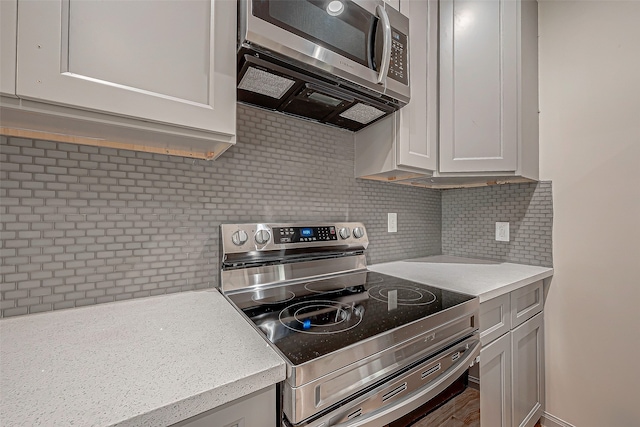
304,234
248,238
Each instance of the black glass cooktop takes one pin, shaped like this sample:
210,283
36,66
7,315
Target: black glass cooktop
311,319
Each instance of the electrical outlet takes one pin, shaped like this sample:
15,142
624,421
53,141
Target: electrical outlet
502,231
392,222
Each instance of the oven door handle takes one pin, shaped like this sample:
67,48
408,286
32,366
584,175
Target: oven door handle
414,401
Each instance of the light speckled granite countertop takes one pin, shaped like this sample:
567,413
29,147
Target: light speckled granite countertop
483,278
152,361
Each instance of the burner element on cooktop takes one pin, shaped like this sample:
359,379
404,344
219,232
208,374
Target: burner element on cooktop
324,287
320,317
272,296
412,294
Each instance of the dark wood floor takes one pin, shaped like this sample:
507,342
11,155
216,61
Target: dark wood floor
461,411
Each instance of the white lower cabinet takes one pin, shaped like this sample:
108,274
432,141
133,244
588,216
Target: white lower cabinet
255,410
512,365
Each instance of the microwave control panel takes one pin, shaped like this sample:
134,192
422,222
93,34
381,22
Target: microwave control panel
398,66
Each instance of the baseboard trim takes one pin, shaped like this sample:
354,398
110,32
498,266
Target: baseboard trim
549,420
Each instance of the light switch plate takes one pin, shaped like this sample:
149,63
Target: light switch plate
392,222
502,231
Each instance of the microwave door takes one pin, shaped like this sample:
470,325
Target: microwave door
312,32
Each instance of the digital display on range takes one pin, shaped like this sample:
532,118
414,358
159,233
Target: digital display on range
306,232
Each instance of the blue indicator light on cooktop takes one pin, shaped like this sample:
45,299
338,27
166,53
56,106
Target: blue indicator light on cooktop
306,324
306,232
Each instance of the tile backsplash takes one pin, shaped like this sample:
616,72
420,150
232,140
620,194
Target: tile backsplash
82,225
469,219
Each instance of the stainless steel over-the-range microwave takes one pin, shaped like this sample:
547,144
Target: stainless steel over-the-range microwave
339,62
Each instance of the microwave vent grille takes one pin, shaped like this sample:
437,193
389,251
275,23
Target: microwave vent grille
265,83
362,113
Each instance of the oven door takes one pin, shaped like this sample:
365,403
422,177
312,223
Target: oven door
353,39
399,397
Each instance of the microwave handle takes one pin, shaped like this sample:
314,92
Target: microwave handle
386,48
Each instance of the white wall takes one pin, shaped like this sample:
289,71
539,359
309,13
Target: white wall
590,149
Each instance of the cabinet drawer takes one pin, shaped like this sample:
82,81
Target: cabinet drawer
495,318
525,303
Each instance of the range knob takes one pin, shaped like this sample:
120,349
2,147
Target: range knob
262,237
358,310
344,232
358,232
239,238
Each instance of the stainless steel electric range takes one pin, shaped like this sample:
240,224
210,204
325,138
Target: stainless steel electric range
361,348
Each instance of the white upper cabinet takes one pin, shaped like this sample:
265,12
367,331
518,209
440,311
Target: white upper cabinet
154,60
488,87
404,145
473,115
8,29
156,76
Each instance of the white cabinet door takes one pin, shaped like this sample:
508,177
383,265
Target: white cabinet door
495,383
161,61
418,134
8,29
478,85
527,351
